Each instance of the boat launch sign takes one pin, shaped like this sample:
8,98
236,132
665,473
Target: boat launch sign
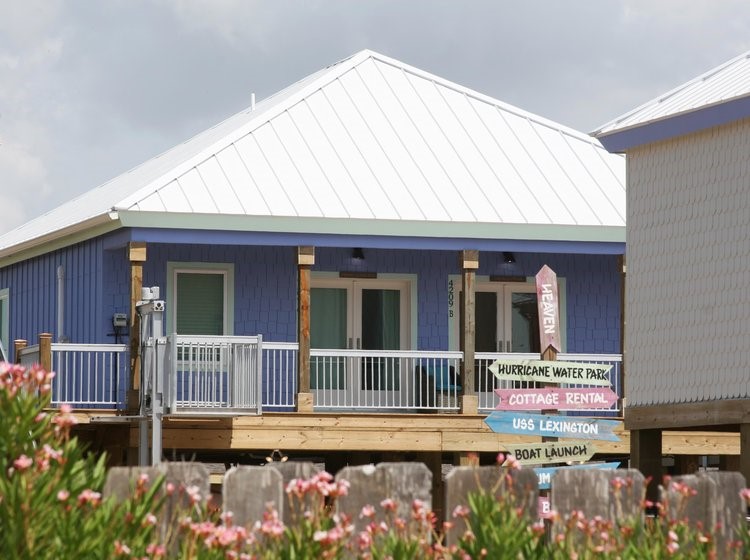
574,373
552,452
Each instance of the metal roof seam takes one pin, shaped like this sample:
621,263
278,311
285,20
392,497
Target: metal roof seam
273,172
528,187
320,167
447,175
471,140
379,143
600,152
296,169
365,161
570,179
403,143
342,162
226,178
250,176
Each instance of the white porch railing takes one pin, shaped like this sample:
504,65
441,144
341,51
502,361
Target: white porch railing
210,373
244,374
89,375
385,380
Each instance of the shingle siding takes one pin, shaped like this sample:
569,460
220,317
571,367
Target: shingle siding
688,317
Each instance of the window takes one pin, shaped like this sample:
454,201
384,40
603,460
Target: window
4,322
200,298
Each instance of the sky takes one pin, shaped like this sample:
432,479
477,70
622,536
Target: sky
92,88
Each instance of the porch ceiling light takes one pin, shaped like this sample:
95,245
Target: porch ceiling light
276,456
358,254
508,257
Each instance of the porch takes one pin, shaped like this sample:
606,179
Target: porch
235,375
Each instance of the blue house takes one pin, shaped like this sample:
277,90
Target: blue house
338,263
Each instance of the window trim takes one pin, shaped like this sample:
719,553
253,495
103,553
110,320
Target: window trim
225,269
5,320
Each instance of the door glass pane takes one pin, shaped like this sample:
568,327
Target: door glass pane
486,322
328,317
381,330
524,322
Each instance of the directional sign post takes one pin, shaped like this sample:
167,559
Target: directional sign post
552,452
548,425
555,397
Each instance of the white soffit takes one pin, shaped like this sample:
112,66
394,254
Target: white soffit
369,138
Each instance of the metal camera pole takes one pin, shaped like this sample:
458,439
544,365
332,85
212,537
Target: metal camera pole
153,343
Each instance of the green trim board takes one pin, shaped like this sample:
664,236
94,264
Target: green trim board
358,226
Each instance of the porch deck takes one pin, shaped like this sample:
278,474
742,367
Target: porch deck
246,375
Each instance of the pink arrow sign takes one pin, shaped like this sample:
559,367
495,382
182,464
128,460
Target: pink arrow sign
557,398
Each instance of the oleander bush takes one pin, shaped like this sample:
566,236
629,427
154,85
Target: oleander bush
51,506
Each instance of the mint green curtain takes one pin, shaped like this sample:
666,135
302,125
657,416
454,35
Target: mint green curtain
328,316
199,303
381,330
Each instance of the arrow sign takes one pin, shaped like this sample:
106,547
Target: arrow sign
548,425
544,474
555,398
552,452
549,309
552,372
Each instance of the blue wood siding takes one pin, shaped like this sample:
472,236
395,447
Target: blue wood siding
97,284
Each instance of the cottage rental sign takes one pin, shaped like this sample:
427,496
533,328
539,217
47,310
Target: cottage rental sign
555,398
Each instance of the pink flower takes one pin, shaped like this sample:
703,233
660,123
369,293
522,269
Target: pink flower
367,512
388,504
23,463
88,496
63,495
121,548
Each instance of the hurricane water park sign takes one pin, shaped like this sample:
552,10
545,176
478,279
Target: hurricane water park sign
548,305
552,372
544,474
555,398
548,425
552,452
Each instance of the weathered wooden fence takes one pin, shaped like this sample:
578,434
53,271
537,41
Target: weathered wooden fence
714,502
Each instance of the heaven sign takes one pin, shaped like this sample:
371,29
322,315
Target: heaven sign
556,398
549,309
549,425
575,373
552,452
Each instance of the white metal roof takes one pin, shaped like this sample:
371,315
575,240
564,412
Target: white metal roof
366,140
728,81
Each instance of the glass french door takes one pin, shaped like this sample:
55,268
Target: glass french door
506,320
357,314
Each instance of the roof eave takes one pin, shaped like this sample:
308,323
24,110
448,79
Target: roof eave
708,116
74,233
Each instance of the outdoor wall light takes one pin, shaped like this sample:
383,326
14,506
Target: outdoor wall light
277,456
508,257
358,254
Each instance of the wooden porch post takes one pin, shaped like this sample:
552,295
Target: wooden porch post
136,256
469,261
45,351
305,261
18,345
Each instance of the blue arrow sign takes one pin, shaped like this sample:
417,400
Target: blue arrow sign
544,474
549,425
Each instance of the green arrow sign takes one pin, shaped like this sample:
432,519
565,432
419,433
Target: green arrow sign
552,372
